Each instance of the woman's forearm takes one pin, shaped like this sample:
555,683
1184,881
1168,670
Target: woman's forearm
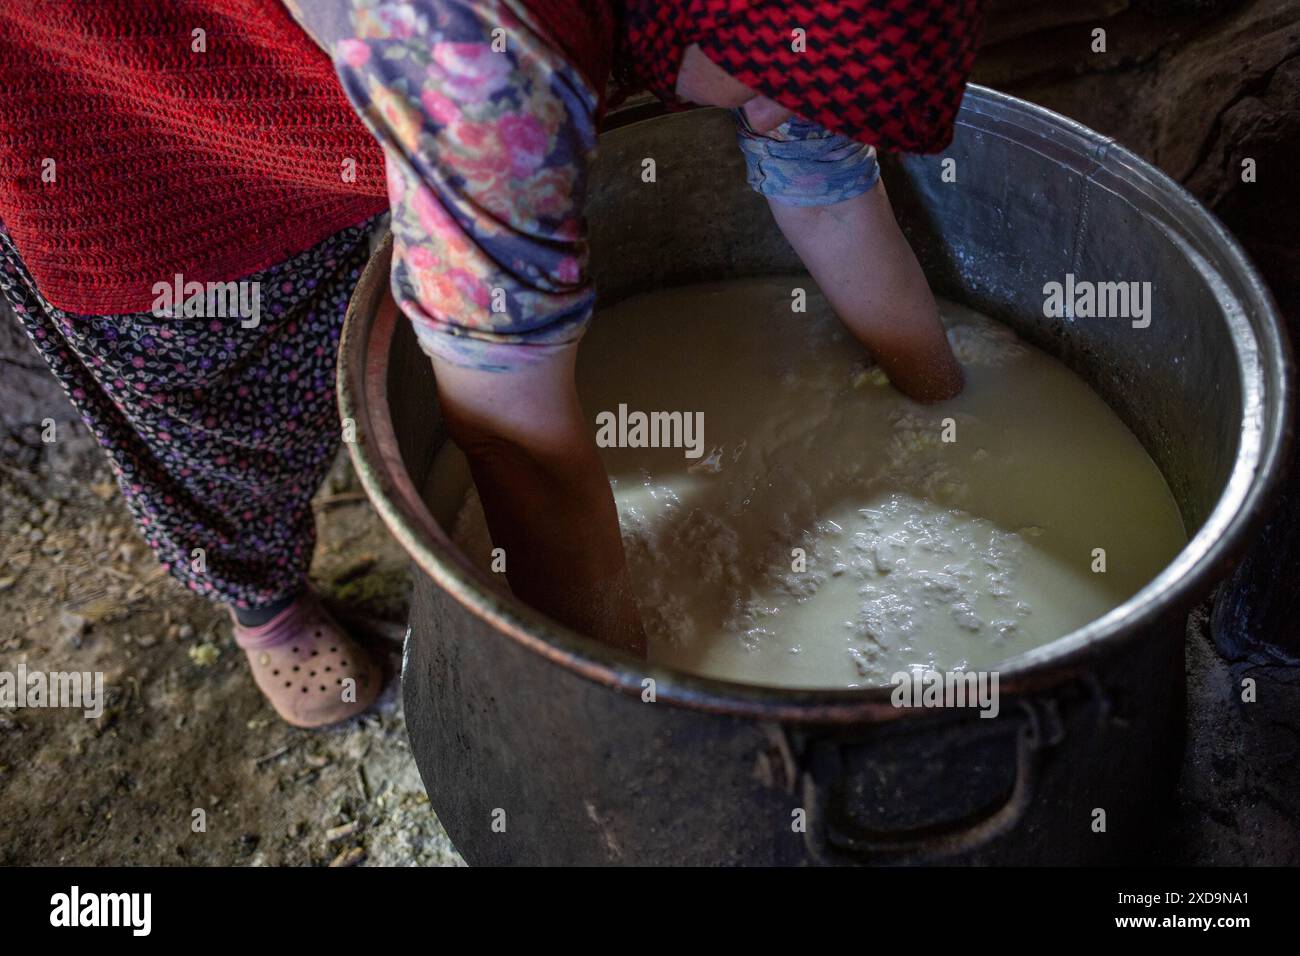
866,269
545,494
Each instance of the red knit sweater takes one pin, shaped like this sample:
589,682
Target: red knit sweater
128,154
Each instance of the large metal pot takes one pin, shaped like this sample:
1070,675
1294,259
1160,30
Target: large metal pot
535,743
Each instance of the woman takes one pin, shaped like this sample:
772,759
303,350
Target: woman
232,162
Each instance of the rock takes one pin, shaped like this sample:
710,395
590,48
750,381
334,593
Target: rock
1262,125
28,392
104,490
1256,619
1009,19
72,627
353,857
205,654
341,832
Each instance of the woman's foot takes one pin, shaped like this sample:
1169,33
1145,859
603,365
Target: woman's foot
310,670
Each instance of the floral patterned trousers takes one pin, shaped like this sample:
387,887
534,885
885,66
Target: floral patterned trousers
218,433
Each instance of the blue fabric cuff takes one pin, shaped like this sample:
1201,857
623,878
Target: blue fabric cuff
801,163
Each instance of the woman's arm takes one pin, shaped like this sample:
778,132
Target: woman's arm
825,192
544,491
866,269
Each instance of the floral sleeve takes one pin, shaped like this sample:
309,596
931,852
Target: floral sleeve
488,134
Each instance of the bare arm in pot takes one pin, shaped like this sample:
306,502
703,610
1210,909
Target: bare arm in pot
863,264
544,491
825,192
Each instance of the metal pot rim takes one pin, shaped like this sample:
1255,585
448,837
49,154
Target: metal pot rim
1263,356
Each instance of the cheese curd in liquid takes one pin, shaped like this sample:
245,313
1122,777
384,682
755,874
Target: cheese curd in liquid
833,532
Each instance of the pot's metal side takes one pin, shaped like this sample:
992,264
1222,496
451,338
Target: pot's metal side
532,764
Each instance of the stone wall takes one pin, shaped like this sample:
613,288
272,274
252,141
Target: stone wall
1193,86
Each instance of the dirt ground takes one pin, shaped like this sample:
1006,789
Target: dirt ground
184,727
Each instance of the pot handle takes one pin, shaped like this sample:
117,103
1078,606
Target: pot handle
929,843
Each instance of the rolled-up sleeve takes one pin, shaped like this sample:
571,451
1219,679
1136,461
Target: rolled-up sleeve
488,135
801,163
